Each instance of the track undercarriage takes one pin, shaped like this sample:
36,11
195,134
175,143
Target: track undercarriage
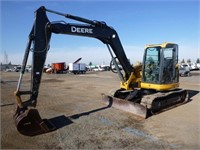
145,103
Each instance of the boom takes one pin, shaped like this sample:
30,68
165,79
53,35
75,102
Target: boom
40,36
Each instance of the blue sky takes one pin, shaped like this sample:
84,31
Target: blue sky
137,22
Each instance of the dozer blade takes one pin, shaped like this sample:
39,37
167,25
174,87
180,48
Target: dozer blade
125,105
29,122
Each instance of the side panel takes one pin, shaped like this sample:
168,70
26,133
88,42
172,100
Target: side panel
82,66
159,87
73,67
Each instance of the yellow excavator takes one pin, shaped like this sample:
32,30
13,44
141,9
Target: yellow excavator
153,86
144,90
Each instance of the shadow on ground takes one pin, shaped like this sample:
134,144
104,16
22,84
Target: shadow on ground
192,93
62,121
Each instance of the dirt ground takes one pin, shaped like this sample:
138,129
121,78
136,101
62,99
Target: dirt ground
73,104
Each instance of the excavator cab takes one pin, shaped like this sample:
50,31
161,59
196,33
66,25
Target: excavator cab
159,70
158,84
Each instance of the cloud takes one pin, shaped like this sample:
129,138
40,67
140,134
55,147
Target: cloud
191,52
14,58
94,54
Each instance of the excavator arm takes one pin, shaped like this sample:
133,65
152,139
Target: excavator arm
27,118
40,36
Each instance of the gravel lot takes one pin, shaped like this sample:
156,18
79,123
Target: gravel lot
73,104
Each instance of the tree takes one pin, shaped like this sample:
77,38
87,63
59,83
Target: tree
183,61
198,60
189,61
90,64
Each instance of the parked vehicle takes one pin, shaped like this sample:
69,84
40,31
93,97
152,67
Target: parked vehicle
198,65
77,68
193,66
8,70
184,70
17,68
98,68
58,67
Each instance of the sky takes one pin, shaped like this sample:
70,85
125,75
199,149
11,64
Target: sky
137,23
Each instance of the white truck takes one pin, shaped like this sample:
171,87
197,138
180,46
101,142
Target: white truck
184,70
77,68
193,66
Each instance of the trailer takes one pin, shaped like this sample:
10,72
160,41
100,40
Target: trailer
77,68
58,67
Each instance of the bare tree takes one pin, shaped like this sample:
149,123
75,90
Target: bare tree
198,60
189,61
5,57
182,61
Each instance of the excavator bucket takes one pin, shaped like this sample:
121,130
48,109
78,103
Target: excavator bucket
125,105
29,122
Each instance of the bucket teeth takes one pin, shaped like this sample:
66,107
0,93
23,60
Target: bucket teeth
29,122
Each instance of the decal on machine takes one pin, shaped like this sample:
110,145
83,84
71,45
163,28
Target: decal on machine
81,30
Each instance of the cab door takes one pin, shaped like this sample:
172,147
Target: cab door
169,69
151,65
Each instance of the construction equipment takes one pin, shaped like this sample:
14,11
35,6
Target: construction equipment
79,59
58,67
150,87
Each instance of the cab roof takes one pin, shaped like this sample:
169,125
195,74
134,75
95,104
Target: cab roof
163,45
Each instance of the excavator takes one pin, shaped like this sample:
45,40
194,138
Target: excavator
144,90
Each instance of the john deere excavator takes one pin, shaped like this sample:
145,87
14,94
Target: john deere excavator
146,89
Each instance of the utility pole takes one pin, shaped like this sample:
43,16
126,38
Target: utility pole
5,57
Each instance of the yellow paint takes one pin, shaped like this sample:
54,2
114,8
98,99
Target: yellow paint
159,87
135,77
